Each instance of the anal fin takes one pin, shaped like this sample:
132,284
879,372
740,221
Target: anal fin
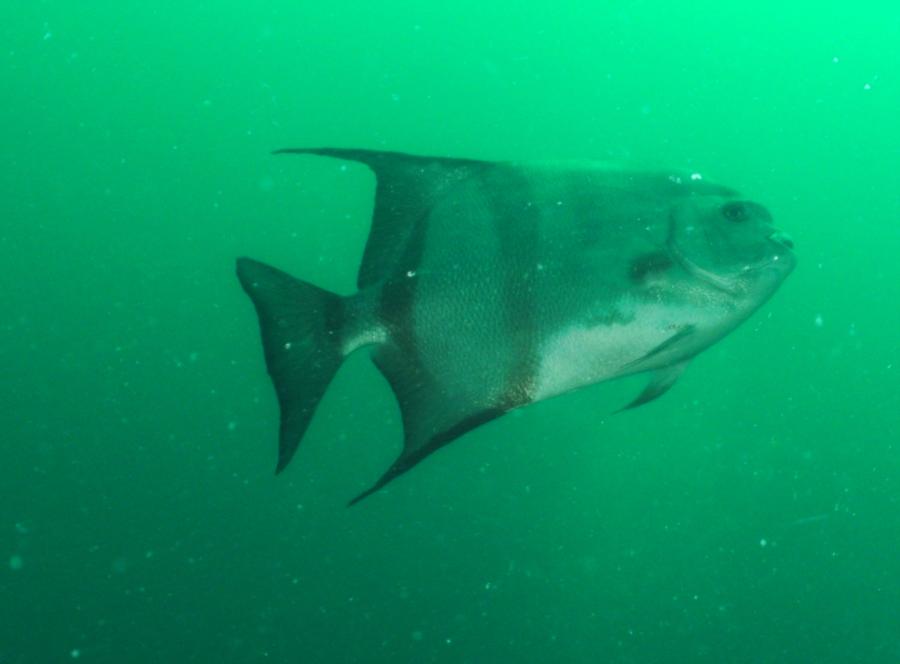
432,415
412,455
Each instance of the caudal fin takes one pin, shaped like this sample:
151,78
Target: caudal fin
301,334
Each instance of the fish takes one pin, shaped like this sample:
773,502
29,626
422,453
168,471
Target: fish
486,286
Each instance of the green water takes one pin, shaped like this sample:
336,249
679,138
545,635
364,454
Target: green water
751,515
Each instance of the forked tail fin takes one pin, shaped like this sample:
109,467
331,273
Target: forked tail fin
301,327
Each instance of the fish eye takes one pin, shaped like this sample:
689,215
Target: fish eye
739,211
736,211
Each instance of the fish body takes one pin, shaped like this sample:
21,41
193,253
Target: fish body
486,286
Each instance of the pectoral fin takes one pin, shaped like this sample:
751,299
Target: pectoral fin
659,384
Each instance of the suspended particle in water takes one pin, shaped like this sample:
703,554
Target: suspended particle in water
16,563
819,321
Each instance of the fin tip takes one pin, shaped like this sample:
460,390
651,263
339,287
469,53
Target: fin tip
364,494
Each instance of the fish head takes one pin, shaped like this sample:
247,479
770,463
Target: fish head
730,245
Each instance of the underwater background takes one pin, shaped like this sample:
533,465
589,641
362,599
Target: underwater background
750,515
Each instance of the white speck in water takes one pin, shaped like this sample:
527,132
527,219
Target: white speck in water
835,59
819,321
867,86
192,357
411,273
15,563
232,425
75,653
287,346
763,542
696,176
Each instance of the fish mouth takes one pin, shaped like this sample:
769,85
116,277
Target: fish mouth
723,284
728,286
781,238
781,261
782,258
779,265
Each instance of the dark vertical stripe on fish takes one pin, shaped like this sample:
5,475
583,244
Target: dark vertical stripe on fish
334,320
399,292
518,241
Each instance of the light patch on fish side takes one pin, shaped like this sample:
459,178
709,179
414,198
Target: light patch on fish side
580,355
376,334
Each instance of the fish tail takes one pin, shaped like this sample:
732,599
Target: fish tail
303,329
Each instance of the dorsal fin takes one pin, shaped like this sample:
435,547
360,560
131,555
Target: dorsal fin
407,186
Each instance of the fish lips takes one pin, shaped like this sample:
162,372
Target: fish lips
766,276
777,264
781,256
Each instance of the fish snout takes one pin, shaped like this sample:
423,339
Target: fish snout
782,238
782,252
